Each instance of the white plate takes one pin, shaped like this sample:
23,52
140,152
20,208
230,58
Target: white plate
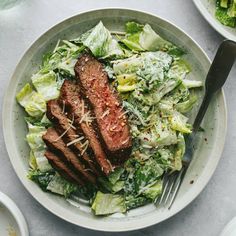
206,155
207,9
12,222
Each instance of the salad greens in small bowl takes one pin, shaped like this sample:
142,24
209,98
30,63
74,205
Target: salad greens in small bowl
158,73
220,14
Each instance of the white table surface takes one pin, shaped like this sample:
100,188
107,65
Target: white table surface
215,206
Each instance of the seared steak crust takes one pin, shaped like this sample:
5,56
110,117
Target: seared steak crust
83,118
112,122
54,142
56,115
62,168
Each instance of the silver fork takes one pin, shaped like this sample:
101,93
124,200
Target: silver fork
215,79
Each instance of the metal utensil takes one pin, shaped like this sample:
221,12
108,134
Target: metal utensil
216,77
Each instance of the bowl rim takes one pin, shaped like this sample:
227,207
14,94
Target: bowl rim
221,29
16,213
94,225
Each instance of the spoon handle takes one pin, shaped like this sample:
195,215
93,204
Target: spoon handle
216,77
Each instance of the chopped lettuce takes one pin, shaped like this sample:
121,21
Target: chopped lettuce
154,63
34,137
154,190
226,12
232,9
115,175
179,123
151,41
32,161
131,40
25,94
101,43
42,178
143,38
186,106
153,97
41,161
62,59
192,83
179,153
132,201
32,101
126,82
113,183
160,135
179,70
46,85
141,175
61,186
105,204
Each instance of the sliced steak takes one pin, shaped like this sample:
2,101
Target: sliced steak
62,168
54,142
111,120
56,115
82,118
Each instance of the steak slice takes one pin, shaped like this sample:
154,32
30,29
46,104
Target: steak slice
111,120
70,95
62,168
54,142
55,114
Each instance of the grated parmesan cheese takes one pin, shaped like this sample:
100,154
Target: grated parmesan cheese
75,141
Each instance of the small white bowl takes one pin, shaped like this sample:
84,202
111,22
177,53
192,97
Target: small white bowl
230,228
12,222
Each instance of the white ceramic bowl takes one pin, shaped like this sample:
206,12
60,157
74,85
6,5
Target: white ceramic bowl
207,9
207,153
12,222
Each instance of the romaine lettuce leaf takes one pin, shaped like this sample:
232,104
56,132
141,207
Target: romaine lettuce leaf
179,153
160,135
143,38
192,83
41,178
61,186
179,69
141,175
41,161
32,101
154,190
62,59
132,201
34,137
179,123
145,63
105,204
46,85
155,95
186,106
101,43
113,183
32,161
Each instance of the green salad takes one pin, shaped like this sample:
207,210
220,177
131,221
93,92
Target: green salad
151,77
226,12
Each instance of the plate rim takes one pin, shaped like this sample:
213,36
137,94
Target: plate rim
217,26
94,225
